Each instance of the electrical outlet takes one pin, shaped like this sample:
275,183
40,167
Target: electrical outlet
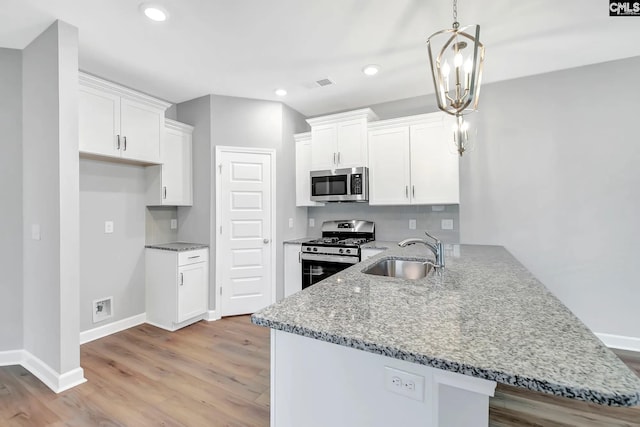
446,224
290,222
108,227
404,383
312,222
412,224
437,208
174,224
35,231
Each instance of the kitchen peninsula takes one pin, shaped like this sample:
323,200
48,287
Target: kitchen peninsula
364,350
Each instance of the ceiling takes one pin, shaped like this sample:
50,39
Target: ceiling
249,48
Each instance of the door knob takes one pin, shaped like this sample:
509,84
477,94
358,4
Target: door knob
265,241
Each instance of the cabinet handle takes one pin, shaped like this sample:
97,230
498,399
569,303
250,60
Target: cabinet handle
406,191
125,144
299,257
338,157
181,279
118,136
334,158
413,191
164,192
194,257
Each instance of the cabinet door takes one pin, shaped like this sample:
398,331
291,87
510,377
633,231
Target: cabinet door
352,144
389,163
141,125
303,180
324,147
434,166
192,291
292,269
176,168
98,122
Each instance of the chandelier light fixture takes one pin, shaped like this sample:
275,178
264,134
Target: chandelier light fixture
456,56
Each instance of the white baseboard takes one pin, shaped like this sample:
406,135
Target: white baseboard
112,328
13,357
55,381
211,316
620,342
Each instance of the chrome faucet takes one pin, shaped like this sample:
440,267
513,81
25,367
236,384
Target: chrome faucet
437,247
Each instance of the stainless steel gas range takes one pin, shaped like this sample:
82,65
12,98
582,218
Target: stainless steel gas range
337,249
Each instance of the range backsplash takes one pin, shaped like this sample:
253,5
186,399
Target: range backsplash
392,222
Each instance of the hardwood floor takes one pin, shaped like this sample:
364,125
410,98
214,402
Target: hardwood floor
217,374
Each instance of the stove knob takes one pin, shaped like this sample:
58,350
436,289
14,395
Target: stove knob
348,251
340,250
315,249
308,249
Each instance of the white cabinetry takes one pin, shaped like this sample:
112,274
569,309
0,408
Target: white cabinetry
177,287
411,161
116,122
171,183
303,167
340,140
292,269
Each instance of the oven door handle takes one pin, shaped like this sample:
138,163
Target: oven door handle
330,258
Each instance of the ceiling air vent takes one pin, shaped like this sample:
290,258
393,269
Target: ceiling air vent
324,82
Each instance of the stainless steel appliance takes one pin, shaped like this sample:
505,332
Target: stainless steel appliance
340,185
337,249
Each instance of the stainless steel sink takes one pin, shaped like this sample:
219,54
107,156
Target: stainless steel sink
400,268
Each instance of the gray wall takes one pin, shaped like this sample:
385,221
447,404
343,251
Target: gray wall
158,224
555,178
392,222
11,195
50,197
112,265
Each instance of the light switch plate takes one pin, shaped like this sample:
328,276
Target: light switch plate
437,208
446,224
108,227
412,224
312,222
290,222
174,224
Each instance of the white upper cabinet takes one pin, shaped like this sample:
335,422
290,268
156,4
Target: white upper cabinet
411,161
303,167
116,122
340,140
171,184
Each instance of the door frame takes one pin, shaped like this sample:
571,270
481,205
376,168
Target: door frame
271,152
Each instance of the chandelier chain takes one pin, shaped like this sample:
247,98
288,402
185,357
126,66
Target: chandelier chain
455,10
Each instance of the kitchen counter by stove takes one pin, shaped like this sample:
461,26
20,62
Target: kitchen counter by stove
177,246
485,316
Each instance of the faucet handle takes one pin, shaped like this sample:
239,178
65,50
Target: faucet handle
435,239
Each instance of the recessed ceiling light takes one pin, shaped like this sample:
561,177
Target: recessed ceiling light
281,92
371,70
154,12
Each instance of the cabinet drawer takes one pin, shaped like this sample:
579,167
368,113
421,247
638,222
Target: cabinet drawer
192,257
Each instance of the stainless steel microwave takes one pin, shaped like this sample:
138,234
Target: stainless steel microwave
340,185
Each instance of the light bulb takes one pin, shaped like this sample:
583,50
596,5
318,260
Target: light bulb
457,60
446,69
468,65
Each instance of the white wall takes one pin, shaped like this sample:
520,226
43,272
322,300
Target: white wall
11,195
50,197
112,265
555,178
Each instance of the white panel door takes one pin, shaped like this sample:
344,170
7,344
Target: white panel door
99,122
142,126
245,255
389,166
434,166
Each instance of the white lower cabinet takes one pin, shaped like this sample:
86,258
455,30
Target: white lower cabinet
412,162
177,287
292,269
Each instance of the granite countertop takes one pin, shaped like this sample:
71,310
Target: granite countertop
177,246
300,240
485,316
